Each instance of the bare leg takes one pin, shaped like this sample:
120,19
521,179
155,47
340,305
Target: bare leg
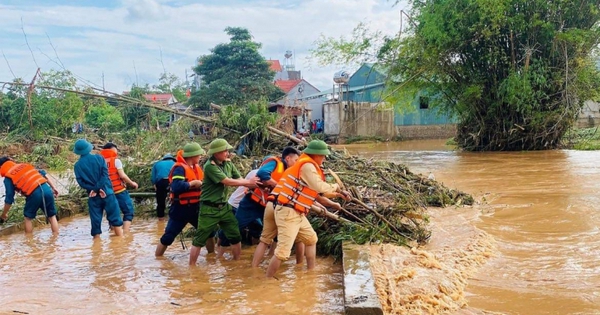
53,224
210,245
118,230
236,249
194,253
28,226
300,252
160,250
272,248
259,254
126,226
273,266
97,237
311,256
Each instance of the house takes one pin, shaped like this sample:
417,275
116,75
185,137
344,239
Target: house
162,99
358,108
290,81
589,114
168,100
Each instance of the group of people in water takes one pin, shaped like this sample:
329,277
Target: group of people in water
272,201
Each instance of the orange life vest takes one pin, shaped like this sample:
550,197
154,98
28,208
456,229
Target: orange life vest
260,195
24,176
117,183
193,195
293,191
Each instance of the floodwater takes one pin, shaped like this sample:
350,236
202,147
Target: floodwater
72,274
542,209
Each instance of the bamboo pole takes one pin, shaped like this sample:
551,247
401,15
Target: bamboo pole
119,98
283,134
325,213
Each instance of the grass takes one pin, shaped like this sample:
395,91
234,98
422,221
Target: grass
583,139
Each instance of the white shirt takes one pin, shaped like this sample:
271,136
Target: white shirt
118,164
240,192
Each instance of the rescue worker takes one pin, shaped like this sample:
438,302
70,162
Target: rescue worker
300,187
185,180
91,174
234,202
252,206
160,180
37,188
219,173
119,181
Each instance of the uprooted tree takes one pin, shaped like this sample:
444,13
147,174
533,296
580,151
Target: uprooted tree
515,73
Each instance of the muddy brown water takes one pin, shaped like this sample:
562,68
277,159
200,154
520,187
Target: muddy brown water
71,274
543,210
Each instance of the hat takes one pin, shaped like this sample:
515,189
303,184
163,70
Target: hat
192,149
4,159
168,156
317,147
82,147
109,145
5,165
218,145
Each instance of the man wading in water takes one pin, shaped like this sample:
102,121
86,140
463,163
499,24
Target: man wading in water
270,173
301,186
185,179
219,172
118,179
38,190
91,174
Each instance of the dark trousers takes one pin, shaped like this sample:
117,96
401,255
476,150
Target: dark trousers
162,189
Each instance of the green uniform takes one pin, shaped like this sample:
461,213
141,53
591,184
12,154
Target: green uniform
214,209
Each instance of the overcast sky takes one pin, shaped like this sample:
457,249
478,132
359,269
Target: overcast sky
122,37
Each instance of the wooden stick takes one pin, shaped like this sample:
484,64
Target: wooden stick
283,134
393,227
328,214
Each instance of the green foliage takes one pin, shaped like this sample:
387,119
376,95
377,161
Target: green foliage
170,83
40,112
515,73
583,139
105,118
234,73
361,47
253,119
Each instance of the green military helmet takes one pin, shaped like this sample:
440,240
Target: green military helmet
317,147
218,145
192,149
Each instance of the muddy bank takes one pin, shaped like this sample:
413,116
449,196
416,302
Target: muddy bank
431,279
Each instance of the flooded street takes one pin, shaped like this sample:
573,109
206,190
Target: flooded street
71,274
543,210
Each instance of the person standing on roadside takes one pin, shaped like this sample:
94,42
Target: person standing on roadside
91,174
37,188
119,180
160,180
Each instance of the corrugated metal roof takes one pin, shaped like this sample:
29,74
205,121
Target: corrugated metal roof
352,89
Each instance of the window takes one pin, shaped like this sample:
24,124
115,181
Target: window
423,102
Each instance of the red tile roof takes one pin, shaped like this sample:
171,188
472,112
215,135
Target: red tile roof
275,65
158,98
287,85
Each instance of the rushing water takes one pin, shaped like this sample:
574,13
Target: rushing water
543,210
541,207
72,274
